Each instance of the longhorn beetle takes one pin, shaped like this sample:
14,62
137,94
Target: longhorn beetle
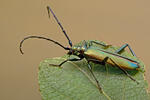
93,54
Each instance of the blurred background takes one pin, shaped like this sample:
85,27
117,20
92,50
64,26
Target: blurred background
115,22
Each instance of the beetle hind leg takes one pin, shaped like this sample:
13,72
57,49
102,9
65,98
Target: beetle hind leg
123,47
124,71
103,62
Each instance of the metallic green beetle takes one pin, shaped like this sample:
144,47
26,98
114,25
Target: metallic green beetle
93,54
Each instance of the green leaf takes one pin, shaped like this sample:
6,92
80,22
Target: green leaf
73,81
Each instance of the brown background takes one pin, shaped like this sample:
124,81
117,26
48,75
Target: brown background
114,21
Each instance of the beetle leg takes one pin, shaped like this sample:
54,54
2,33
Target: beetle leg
124,71
99,43
123,47
103,62
97,82
74,59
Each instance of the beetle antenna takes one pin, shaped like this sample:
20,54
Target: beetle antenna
50,10
38,37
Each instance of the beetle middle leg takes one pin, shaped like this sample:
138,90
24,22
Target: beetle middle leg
103,62
97,82
123,47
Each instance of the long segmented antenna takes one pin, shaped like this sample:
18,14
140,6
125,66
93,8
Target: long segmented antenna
50,10
66,48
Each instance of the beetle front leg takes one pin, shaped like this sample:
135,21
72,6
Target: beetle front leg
123,47
74,59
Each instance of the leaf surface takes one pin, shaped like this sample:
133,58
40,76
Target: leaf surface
73,81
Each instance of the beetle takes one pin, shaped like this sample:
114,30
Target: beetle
93,54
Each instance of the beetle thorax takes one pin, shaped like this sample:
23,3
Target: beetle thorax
77,50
